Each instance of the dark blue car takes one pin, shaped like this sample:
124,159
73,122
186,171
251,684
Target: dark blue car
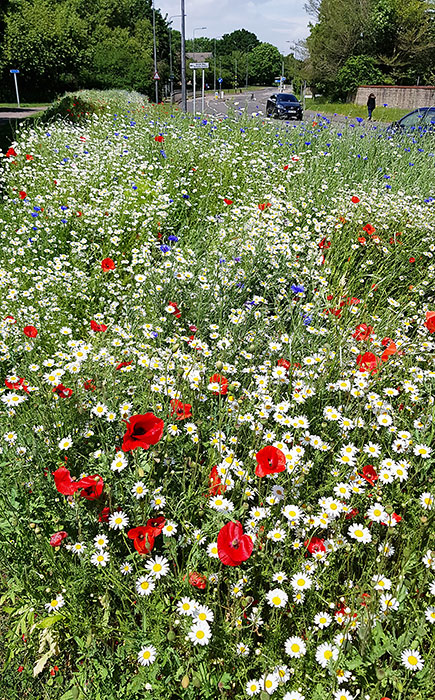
421,119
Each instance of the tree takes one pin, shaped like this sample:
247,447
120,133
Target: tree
239,40
358,70
265,63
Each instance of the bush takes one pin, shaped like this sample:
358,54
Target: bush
358,70
76,106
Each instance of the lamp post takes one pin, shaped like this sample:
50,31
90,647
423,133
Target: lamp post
214,56
171,75
183,58
155,55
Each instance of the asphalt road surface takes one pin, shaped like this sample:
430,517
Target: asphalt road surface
220,107
16,113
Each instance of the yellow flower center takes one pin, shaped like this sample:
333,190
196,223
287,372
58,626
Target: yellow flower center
157,567
358,533
144,585
300,581
295,648
54,603
276,600
146,655
327,654
200,634
412,660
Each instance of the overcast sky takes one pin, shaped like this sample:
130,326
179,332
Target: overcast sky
275,21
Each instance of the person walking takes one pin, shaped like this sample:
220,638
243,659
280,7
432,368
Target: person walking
371,104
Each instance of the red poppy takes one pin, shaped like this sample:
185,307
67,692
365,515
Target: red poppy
352,514
30,331
362,240
123,364
354,199
104,515
107,264
233,545
91,487
222,381
286,167
10,152
177,312
62,391
315,544
28,156
56,539
63,481
143,538
324,244
430,321
282,362
215,485
390,350
89,385
142,431
180,409
20,669
368,228
197,580
270,460
228,201
22,194
263,205
159,138
412,260
368,361
98,327
156,525
362,332
369,474
16,386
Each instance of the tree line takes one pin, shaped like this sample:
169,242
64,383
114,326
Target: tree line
355,42
65,45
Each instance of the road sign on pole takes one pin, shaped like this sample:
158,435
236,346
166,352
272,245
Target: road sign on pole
220,80
202,98
156,76
201,65
15,71
194,91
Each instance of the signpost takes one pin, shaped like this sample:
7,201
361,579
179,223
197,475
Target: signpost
15,72
200,65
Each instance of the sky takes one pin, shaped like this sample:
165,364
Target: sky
275,21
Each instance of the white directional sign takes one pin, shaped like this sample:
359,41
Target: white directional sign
198,66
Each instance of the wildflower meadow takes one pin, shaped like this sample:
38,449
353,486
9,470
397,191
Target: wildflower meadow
217,408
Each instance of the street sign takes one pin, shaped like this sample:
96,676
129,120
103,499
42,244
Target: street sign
198,66
156,76
220,80
14,70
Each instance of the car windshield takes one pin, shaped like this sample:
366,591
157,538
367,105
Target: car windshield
286,98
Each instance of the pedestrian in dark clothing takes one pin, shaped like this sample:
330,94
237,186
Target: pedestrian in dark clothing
371,104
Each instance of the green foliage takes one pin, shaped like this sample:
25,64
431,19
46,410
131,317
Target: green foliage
399,36
77,107
265,63
358,70
239,40
67,44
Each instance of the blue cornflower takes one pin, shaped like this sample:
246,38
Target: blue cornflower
173,238
296,288
165,248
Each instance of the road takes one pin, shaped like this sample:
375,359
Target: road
257,106
16,113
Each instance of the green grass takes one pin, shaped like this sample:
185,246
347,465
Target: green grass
381,114
23,105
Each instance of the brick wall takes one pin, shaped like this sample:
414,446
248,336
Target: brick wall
403,96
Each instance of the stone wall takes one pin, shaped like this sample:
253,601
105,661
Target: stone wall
403,96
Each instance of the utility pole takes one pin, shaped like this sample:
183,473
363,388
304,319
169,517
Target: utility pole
214,71
183,58
171,69
235,76
155,54
247,68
